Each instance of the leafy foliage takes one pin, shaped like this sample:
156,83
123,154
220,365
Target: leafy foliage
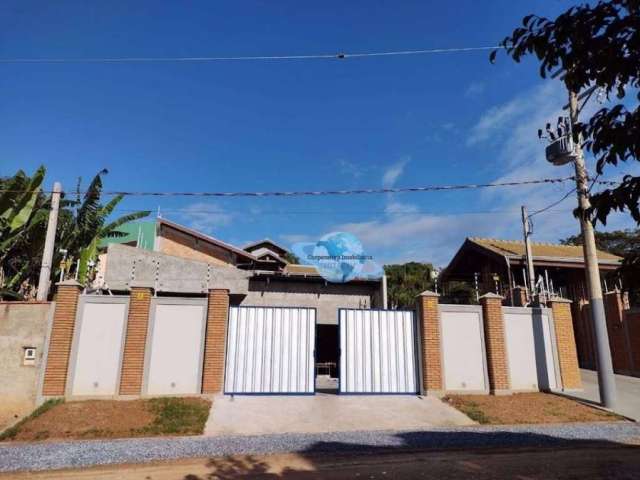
595,44
405,282
24,214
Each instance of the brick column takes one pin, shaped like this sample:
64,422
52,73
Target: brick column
618,336
431,343
214,342
566,342
496,344
64,320
135,341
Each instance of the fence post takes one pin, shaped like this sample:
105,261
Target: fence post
64,320
135,340
496,344
431,343
566,342
215,338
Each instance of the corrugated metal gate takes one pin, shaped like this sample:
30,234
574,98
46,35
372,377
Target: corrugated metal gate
377,351
270,350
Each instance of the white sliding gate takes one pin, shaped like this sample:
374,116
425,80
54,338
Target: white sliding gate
531,348
270,350
377,351
97,346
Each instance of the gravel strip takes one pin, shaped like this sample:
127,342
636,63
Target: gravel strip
70,454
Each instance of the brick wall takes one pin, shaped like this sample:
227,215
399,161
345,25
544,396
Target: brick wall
566,343
495,342
64,319
632,319
173,242
215,338
430,342
620,355
135,341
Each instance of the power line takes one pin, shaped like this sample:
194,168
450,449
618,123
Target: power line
548,207
322,56
365,191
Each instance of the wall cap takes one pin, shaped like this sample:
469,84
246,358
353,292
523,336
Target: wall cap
560,300
140,284
69,283
428,293
492,296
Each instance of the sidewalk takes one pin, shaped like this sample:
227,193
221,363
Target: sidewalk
628,389
77,454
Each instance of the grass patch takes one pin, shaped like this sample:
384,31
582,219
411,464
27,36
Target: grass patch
471,410
11,432
177,416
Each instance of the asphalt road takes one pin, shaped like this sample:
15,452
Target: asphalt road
597,462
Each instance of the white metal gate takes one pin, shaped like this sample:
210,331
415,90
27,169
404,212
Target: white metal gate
270,350
175,346
97,346
377,351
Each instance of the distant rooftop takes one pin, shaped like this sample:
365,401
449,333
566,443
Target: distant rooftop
541,251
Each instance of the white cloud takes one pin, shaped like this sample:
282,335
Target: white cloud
394,172
205,217
475,89
351,169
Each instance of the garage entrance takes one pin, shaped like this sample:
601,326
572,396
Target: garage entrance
378,353
270,350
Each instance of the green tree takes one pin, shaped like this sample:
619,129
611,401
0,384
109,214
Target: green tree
85,223
596,43
24,212
406,281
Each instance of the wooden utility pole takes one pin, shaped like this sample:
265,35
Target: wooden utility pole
49,243
527,248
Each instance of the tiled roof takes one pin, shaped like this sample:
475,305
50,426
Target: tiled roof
515,248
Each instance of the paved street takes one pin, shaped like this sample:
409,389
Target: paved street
76,454
628,393
603,462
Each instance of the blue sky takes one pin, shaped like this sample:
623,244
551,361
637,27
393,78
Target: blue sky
291,125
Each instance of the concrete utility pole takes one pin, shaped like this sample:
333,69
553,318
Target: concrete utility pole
606,380
49,244
529,255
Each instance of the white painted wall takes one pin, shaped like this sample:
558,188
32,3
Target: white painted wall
175,357
378,351
463,348
98,348
530,348
270,350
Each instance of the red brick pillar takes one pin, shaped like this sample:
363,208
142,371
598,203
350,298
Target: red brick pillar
431,343
566,343
64,320
214,342
618,341
496,344
135,341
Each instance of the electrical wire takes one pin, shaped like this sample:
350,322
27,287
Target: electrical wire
365,191
323,56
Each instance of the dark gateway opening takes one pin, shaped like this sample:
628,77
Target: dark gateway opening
327,358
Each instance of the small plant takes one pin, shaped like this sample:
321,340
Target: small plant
11,432
178,416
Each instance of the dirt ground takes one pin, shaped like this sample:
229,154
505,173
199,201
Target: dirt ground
112,419
608,461
526,408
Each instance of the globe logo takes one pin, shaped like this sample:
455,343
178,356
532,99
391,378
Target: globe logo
339,257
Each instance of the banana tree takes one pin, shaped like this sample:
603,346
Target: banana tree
84,226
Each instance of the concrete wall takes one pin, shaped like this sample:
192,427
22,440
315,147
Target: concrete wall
326,298
21,325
